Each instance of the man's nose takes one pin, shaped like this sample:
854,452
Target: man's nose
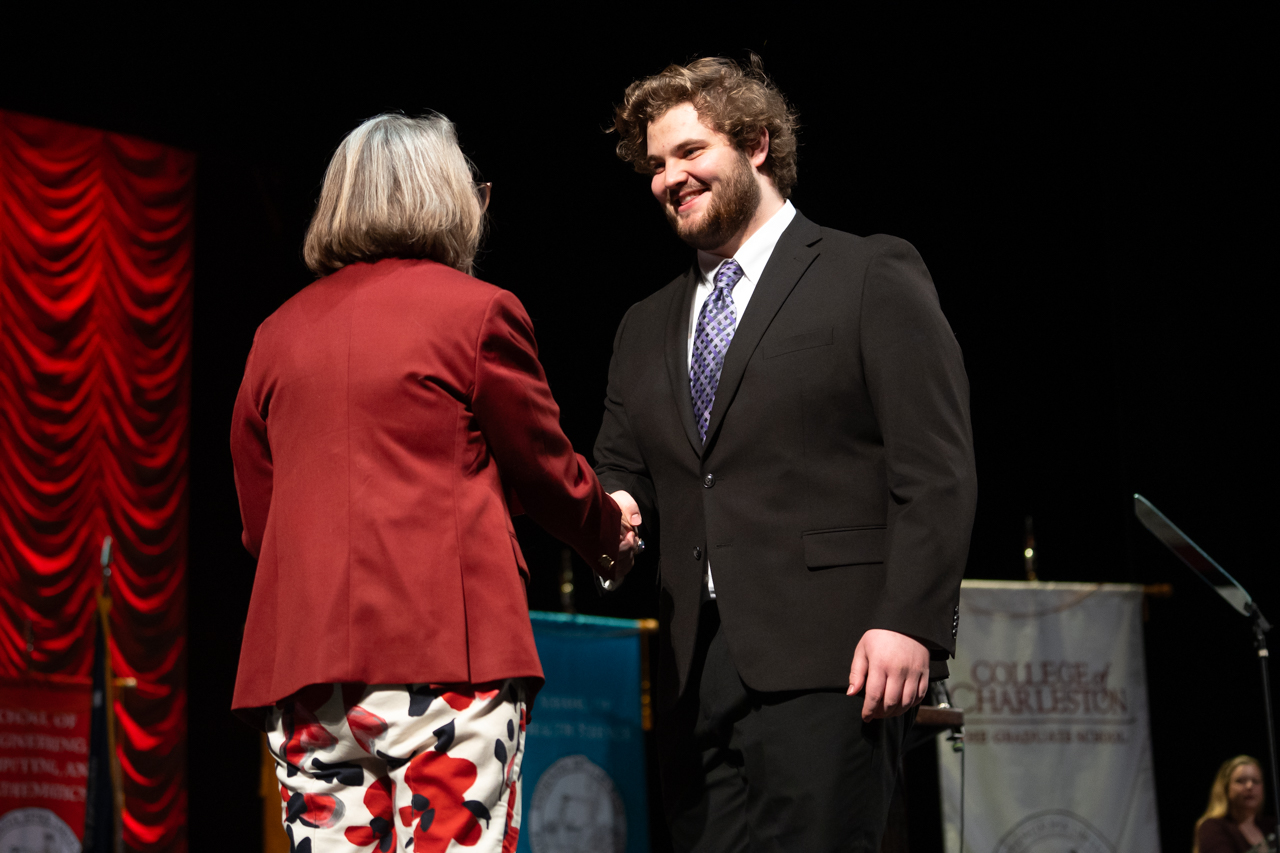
673,174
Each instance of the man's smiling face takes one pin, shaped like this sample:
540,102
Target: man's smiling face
706,186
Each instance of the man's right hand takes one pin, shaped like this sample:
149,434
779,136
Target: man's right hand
629,540
630,509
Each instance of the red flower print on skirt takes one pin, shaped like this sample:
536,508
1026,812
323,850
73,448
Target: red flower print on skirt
306,734
460,699
379,799
366,727
353,760
317,810
439,784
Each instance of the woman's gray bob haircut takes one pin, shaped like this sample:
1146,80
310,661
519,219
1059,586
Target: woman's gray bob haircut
397,187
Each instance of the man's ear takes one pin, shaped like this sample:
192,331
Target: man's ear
758,153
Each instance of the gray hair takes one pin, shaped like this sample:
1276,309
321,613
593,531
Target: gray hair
397,187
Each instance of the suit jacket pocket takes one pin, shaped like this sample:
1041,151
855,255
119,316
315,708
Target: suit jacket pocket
804,340
843,546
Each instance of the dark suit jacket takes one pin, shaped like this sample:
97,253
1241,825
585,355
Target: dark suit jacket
389,416
836,490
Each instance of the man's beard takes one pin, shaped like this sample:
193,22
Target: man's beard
733,203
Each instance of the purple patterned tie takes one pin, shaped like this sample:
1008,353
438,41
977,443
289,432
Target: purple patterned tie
716,324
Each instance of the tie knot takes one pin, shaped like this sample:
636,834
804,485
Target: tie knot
728,275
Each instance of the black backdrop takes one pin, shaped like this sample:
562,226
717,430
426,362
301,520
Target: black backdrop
1089,196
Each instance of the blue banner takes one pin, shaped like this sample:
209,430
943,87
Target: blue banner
584,767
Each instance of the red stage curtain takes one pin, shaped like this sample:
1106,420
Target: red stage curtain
96,239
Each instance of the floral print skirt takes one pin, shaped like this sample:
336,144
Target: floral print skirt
400,767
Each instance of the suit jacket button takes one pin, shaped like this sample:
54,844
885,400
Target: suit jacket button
697,553
708,481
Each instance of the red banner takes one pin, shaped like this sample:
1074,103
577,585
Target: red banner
44,755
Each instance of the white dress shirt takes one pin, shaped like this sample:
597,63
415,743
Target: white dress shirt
752,256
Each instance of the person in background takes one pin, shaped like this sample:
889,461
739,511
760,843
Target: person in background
1231,823
392,418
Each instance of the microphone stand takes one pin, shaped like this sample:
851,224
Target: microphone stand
1260,628
1234,594
956,739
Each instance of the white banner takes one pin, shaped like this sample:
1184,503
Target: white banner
1053,685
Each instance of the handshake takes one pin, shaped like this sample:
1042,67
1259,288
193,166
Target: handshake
611,573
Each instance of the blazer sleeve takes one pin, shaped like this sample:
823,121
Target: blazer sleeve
619,462
916,380
521,425
251,454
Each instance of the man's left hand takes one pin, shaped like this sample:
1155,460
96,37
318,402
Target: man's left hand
894,670
629,547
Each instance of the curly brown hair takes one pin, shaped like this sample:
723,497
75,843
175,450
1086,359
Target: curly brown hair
739,102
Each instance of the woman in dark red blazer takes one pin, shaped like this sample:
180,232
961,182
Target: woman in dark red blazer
393,416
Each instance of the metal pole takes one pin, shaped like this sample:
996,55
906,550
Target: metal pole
1260,640
109,696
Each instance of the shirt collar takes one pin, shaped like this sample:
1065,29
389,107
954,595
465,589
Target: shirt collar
754,254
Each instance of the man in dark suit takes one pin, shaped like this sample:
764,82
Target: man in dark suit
790,421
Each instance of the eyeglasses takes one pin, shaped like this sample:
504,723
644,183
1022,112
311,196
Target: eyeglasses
483,191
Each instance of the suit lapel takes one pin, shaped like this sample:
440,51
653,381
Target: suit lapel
796,250
677,350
